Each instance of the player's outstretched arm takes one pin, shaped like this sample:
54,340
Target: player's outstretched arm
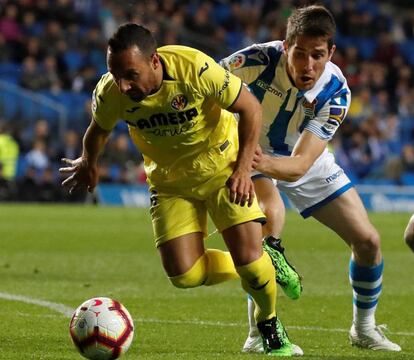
83,170
250,112
291,168
409,233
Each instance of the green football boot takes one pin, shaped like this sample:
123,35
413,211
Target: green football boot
275,338
286,275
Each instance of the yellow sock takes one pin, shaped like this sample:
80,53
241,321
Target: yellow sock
220,267
258,279
213,267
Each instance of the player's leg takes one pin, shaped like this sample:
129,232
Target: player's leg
242,232
258,280
347,216
272,205
179,239
409,233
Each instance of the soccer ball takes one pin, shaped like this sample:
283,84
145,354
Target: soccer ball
101,329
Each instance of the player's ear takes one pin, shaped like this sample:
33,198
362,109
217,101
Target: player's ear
331,52
155,60
285,46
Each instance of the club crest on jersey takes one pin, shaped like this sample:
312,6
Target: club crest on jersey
237,61
309,108
179,102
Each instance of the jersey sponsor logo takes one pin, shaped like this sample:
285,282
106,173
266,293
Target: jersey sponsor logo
334,176
182,121
236,61
226,82
179,102
175,131
267,87
203,68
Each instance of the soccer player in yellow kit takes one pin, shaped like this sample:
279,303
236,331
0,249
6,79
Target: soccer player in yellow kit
178,104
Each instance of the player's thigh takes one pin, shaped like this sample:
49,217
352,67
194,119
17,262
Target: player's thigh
346,215
178,255
174,216
226,214
241,226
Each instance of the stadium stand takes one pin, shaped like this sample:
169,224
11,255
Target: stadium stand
52,53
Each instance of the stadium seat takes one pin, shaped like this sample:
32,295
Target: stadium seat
9,105
10,72
407,50
366,46
21,167
407,178
73,60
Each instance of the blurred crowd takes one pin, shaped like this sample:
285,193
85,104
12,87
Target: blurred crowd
57,48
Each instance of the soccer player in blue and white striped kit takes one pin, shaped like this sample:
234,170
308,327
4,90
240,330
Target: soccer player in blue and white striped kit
305,98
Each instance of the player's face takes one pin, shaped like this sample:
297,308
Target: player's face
307,58
136,75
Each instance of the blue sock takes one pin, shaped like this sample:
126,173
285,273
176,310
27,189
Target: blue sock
366,281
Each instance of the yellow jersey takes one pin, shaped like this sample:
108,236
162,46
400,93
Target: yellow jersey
183,130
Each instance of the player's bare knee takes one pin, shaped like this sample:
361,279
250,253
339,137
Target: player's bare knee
368,246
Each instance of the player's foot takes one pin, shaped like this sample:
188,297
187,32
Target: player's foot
372,339
286,275
254,344
274,337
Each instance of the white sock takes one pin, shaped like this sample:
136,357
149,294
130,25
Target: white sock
253,330
367,284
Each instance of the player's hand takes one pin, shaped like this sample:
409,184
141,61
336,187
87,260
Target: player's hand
258,155
84,176
241,187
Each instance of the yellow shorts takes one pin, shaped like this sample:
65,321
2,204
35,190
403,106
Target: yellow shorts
174,216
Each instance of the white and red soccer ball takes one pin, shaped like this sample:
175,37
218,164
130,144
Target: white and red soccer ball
101,329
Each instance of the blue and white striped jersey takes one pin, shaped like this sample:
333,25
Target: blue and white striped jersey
288,111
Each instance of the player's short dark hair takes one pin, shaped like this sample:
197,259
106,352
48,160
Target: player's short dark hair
129,35
313,20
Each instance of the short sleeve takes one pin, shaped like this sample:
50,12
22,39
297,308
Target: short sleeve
106,103
330,116
214,81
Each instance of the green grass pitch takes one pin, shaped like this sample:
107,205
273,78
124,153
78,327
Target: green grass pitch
67,254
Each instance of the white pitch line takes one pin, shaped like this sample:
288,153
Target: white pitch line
229,324
67,311
60,308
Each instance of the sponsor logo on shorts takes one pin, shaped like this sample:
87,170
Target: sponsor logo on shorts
334,176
